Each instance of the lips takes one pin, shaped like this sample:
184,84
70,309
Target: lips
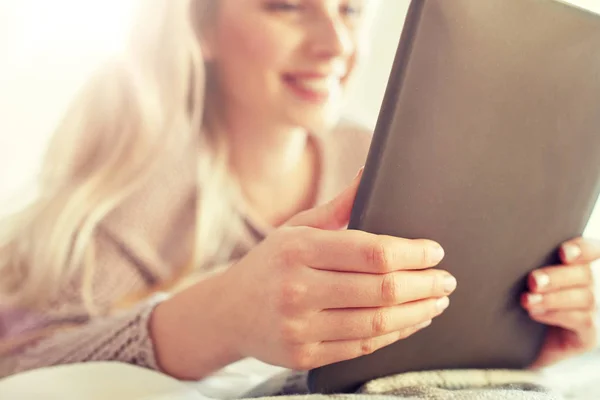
313,87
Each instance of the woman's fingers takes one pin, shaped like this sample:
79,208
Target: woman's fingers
562,300
580,251
560,277
350,324
325,353
358,251
576,321
353,290
333,214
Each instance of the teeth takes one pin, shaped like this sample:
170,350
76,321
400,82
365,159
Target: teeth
319,84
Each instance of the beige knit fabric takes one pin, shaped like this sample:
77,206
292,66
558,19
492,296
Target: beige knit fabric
450,380
140,245
424,385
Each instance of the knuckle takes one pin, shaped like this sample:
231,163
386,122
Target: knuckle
292,332
431,254
291,297
590,298
367,346
436,284
380,323
303,358
425,255
378,256
590,320
390,287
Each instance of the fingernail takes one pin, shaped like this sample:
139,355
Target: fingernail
423,325
571,252
360,172
437,254
541,279
442,304
534,298
449,284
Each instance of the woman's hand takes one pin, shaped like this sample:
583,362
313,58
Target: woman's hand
312,294
564,297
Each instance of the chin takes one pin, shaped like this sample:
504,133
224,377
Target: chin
317,121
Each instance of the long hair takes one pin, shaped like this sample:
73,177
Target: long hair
128,114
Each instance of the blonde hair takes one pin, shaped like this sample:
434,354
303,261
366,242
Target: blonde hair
127,115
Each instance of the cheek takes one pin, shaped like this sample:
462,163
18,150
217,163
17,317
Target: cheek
361,52
251,52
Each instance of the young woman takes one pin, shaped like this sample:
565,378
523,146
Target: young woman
191,210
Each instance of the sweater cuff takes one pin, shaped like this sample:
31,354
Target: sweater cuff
123,337
143,353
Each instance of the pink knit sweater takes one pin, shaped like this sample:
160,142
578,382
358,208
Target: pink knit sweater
140,245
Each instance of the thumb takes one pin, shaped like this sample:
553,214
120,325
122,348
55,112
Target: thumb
332,215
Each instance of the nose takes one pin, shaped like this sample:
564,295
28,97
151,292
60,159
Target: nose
332,38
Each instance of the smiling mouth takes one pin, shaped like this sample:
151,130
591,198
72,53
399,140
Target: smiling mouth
315,89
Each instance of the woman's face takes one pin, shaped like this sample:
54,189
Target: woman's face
285,63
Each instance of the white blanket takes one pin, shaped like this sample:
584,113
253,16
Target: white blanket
115,381
577,379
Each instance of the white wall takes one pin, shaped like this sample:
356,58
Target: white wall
42,64
373,75
373,72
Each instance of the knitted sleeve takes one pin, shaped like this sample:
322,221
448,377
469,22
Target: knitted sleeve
122,337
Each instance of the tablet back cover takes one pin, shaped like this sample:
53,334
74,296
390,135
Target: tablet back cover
488,141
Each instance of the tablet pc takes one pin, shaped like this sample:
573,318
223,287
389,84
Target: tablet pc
488,141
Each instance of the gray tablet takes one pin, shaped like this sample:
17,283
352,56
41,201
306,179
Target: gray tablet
488,141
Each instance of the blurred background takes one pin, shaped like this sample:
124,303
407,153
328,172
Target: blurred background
48,48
